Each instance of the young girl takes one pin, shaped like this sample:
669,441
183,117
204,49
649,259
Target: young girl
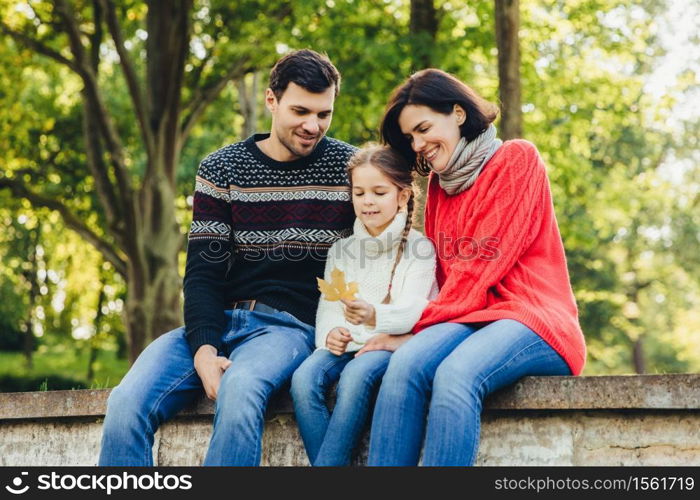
394,267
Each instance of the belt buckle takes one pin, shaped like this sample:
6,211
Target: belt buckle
245,304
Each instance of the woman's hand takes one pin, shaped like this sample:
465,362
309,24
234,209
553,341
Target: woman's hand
384,342
359,312
337,340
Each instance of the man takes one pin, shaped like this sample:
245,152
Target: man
266,210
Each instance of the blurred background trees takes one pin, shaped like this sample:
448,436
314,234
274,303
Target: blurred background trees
107,107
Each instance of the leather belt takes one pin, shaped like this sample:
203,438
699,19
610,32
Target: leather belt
254,305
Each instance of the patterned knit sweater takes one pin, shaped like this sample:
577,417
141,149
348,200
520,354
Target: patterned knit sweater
500,254
279,218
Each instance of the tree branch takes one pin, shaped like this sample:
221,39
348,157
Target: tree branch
91,135
208,95
96,164
39,47
196,75
167,45
92,92
129,74
96,37
70,219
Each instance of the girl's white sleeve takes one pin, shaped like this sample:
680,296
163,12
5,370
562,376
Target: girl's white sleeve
329,314
418,288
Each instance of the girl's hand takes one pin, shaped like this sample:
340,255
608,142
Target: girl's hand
359,312
337,340
384,342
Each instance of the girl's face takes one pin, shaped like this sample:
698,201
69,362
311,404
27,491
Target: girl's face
432,135
375,198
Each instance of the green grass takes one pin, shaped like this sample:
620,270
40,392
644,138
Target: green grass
64,361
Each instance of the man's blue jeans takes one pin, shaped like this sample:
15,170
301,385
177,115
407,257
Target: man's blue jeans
435,385
329,438
264,349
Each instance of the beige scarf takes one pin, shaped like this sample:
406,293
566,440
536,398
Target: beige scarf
467,161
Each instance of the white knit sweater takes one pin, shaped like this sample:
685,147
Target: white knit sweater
368,261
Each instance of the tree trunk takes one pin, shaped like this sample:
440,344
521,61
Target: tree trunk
30,275
640,366
507,26
153,243
423,30
633,292
248,101
153,282
99,315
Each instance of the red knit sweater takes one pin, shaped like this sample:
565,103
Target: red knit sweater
500,254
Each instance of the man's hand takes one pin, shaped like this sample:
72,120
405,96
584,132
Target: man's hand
210,368
337,340
384,342
359,312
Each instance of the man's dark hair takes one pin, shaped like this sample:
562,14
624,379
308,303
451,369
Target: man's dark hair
308,69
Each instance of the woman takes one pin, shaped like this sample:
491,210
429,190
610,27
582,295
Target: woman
505,308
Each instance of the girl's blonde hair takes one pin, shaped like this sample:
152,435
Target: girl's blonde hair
399,172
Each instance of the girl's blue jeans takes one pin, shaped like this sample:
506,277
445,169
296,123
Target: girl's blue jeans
434,387
329,438
264,349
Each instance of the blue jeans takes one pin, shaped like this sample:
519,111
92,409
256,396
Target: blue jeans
444,373
330,438
265,349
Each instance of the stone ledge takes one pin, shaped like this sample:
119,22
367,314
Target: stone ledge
651,420
633,392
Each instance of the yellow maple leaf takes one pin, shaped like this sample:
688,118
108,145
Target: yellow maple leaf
337,289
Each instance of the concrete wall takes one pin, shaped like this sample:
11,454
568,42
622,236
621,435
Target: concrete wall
621,420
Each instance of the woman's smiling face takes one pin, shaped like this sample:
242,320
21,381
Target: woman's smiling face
432,135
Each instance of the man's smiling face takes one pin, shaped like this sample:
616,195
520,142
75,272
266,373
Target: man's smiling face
300,119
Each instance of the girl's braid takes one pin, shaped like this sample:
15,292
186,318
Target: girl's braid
402,245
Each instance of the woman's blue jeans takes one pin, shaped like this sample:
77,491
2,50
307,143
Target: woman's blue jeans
435,385
264,349
330,438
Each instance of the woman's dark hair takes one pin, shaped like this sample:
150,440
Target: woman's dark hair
399,172
308,69
439,91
